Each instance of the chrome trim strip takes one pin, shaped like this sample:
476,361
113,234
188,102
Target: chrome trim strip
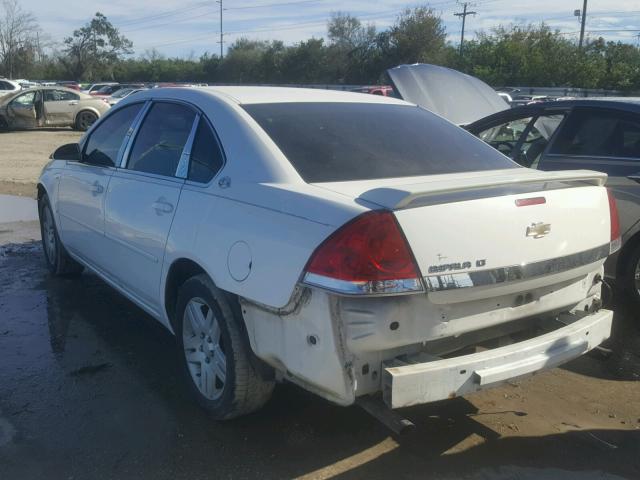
453,281
344,287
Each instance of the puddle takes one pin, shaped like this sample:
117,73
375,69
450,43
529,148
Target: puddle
17,209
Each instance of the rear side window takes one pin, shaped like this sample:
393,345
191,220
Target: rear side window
104,143
206,156
59,96
599,133
329,142
158,146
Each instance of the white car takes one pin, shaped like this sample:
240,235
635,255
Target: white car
352,244
8,86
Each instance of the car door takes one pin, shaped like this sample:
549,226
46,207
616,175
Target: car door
22,110
59,107
143,197
605,140
522,134
83,186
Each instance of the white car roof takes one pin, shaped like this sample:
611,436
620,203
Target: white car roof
253,95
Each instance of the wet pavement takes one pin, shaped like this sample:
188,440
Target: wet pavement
90,389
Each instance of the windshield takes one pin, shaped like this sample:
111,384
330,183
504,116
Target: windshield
329,142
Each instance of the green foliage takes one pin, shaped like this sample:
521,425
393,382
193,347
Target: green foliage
93,50
354,53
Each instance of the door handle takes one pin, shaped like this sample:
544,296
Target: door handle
96,188
162,206
73,102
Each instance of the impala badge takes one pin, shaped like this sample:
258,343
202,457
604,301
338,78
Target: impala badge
538,230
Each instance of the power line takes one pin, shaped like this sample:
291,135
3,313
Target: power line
463,15
249,7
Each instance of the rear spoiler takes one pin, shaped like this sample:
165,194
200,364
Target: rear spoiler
474,188
447,189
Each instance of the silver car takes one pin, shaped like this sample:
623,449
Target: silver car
44,107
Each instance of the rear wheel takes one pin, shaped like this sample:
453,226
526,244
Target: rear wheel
85,119
58,260
632,276
215,355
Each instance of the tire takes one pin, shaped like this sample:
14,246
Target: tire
4,126
84,120
631,284
216,357
58,260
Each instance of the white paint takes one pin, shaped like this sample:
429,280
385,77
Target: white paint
254,236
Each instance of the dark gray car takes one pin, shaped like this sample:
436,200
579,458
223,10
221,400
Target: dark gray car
594,134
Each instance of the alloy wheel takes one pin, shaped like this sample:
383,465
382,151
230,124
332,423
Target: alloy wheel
204,348
49,235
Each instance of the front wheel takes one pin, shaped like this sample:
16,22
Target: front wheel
216,357
58,260
85,120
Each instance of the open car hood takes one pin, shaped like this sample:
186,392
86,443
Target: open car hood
458,97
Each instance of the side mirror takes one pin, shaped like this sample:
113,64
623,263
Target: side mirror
70,151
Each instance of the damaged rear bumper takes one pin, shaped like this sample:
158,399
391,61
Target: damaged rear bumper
416,382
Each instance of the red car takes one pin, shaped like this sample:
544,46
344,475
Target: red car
382,90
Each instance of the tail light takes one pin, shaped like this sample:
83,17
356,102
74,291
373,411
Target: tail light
616,241
367,256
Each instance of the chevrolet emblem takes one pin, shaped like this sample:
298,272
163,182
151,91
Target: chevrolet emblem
538,230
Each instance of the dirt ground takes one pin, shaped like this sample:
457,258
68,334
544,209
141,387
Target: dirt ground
90,388
24,153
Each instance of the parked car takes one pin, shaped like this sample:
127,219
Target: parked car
281,237
69,84
8,86
109,90
383,90
602,135
120,94
50,107
97,86
595,134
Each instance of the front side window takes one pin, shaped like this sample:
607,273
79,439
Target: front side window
105,141
505,137
25,100
206,156
164,132
59,96
331,142
599,133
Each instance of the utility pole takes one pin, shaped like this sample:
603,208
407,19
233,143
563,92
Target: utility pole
463,15
221,33
583,22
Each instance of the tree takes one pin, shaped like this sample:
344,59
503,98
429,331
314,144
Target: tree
417,36
18,38
95,49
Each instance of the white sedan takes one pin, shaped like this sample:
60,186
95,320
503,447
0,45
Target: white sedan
352,244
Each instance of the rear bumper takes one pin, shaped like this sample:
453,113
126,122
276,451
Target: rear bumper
418,383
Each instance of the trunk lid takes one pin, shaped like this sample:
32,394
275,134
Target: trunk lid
460,224
458,97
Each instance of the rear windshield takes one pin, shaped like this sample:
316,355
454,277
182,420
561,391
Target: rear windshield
332,142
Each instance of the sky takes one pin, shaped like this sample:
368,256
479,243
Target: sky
192,27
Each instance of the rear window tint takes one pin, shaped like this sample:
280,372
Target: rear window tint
329,142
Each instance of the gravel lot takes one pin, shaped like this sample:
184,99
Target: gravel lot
24,153
90,388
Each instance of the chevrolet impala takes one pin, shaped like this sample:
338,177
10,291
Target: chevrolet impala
281,237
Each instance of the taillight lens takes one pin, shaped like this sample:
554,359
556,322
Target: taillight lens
616,241
368,255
